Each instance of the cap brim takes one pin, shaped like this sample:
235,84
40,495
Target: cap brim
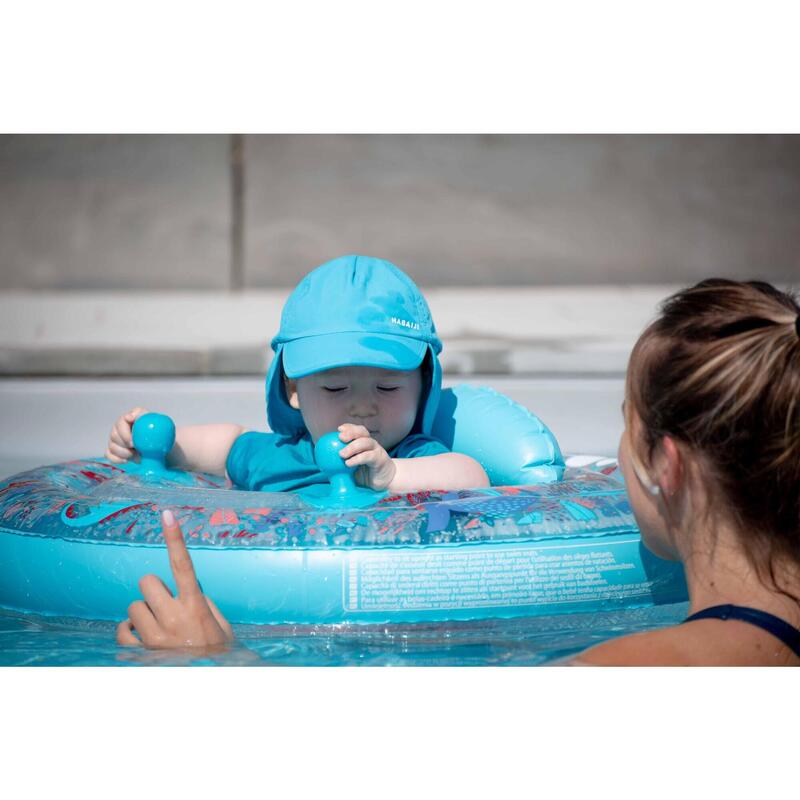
318,353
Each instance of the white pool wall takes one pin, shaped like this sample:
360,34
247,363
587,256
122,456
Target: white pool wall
47,420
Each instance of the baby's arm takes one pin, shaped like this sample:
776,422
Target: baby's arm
204,448
443,471
201,448
378,470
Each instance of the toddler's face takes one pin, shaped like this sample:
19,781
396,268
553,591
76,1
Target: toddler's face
383,401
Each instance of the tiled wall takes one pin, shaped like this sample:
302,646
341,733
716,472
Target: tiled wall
81,212
161,211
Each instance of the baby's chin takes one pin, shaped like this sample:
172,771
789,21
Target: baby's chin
388,444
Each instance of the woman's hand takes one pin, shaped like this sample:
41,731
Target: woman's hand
120,443
162,621
375,468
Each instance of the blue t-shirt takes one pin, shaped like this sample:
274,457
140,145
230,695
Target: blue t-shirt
269,462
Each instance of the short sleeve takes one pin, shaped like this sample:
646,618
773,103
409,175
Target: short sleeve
417,446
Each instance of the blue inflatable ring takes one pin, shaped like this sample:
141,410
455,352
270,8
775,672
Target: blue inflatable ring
75,538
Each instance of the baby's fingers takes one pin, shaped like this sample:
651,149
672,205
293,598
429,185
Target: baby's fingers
122,432
368,457
360,445
349,431
118,454
123,427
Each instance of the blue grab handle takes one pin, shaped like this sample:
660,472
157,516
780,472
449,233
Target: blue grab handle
153,437
343,491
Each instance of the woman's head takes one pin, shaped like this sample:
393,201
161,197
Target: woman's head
718,374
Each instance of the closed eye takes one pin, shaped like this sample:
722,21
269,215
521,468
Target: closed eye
388,388
334,389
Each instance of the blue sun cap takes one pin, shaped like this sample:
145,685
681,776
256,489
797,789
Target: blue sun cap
352,311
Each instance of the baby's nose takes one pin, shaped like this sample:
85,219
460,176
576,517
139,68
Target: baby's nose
363,407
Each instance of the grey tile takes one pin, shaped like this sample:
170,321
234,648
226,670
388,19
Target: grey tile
94,212
505,210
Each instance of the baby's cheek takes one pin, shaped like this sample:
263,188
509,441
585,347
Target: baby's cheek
406,405
331,416
405,414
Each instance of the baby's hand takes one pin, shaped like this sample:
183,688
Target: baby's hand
120,443
375,468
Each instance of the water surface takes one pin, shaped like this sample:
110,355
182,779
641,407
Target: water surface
30,640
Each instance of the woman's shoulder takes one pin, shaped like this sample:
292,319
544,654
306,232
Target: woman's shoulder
665,647
709,642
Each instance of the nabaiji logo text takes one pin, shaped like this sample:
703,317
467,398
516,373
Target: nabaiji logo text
414,326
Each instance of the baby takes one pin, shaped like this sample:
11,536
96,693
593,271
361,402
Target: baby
357,352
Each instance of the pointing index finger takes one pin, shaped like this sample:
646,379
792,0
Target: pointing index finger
180,561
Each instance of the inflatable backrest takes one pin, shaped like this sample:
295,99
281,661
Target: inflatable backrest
513,445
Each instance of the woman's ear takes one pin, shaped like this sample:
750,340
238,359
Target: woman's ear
671,469
290,387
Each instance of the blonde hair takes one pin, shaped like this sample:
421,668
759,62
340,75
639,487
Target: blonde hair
719,370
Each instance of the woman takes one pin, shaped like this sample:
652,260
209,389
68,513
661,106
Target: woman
711,457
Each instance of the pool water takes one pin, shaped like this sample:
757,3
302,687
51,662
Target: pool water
30,640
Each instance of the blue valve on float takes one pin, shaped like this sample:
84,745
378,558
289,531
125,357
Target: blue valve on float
153,437
343,491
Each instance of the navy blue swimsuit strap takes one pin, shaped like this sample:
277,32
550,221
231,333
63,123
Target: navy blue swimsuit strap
789,635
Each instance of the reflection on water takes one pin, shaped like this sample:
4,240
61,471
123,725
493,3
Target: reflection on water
26,639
